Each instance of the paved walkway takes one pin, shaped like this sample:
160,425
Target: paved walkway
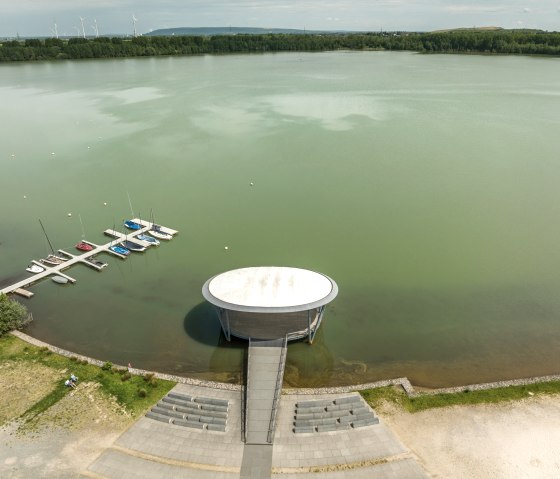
264,371
257,461
157,450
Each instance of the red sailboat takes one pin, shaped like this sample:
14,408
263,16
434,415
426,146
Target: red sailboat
83,246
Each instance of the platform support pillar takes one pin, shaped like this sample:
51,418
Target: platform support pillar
320,311
224,322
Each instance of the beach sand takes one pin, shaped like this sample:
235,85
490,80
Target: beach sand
514,440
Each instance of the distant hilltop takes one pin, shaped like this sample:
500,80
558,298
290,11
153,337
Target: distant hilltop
471,29
490,29
163,32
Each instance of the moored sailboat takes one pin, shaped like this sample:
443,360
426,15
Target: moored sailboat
83,246
131,225
133,246
34,268
119,250
148,239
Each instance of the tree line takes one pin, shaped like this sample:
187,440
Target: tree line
501,42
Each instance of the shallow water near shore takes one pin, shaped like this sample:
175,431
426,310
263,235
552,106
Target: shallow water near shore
425,185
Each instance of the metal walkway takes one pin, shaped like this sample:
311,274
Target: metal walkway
265,372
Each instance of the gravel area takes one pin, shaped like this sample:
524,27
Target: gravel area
63,440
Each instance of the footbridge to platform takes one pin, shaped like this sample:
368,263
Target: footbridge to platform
265,373
267,305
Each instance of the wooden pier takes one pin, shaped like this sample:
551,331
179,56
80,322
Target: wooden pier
84,258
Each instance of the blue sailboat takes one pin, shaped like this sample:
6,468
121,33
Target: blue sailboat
119,250
148,239
131,225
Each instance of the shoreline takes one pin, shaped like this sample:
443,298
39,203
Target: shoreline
402,381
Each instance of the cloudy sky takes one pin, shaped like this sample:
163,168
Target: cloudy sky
37,17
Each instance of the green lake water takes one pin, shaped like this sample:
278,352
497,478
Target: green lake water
425,185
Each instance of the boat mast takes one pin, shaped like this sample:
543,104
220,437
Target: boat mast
130,204
46,236
82,225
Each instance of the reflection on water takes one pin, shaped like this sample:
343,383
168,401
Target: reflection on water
424,185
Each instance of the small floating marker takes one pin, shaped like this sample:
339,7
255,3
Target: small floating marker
13,155
24,197
252,184
52,153
226,247
69,214
88,147
105,204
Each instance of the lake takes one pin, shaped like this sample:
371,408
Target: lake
426,186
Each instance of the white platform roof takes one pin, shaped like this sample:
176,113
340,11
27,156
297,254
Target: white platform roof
270,289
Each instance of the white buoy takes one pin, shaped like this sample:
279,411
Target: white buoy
69,214
52,153
24,197
13,155
252,184
105,204
88,147
226,248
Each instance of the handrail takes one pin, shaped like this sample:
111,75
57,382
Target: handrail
244,395
278,388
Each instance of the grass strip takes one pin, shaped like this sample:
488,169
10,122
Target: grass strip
396,395
134,393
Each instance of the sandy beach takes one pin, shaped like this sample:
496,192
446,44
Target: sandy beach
514,440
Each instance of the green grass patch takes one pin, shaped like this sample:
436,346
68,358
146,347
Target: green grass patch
396,395
125,391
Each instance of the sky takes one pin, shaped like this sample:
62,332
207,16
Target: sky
30,18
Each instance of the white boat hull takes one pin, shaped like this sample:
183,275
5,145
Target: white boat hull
160,235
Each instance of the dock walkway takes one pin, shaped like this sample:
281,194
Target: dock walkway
56,270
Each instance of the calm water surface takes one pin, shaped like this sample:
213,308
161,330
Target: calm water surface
426,186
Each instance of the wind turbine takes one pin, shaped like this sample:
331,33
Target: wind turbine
83,30
54,30
134,20
95,29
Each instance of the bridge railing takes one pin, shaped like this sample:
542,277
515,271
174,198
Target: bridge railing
244,411
278,389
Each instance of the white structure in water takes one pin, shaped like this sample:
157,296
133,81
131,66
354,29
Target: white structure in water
270,302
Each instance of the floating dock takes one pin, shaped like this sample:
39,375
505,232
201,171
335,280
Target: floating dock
23,292
84,258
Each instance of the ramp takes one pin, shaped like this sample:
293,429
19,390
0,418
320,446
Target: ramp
265,371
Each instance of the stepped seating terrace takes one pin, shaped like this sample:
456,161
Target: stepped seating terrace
191,411
332,415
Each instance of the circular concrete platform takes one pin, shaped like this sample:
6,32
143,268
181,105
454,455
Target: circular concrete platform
269,289
270,302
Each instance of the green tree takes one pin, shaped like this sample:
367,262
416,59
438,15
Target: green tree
13,315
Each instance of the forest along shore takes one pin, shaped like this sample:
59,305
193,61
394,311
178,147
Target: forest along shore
523,42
